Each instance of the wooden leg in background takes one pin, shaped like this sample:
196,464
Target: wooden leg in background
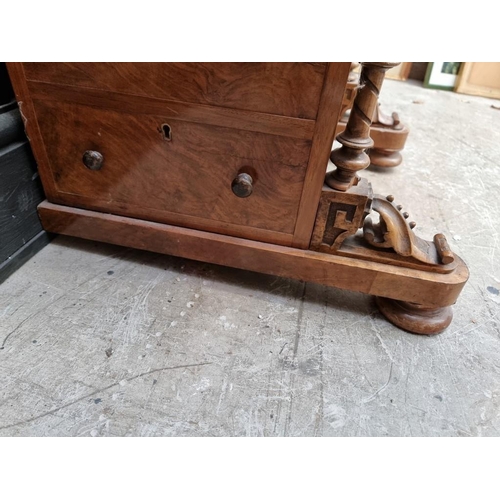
388,133
384,158
387,145
351,157
389,137
415,318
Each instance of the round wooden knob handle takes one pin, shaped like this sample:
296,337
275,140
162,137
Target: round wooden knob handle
242,185
93,160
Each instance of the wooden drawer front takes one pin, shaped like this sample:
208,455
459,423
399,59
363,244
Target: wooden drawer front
184,181
289,89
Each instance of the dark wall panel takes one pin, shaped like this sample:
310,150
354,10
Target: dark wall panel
21,234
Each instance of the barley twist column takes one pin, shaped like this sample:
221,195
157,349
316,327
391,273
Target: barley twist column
355,139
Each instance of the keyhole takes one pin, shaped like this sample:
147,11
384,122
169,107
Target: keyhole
166,132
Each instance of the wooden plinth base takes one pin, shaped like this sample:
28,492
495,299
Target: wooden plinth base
415,318
374,278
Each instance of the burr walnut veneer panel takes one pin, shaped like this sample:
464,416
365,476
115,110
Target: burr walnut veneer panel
186,177
290,89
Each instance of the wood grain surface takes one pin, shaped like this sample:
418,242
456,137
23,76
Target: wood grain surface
23,97
144,175
289,89
281,100
384,280
210,115
324,134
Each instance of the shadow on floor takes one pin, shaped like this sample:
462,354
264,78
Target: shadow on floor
241,281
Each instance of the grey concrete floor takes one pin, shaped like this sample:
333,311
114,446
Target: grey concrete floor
98,340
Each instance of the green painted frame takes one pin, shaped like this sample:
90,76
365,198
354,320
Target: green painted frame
432,86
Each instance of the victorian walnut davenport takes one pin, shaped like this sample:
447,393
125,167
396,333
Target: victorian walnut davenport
225,163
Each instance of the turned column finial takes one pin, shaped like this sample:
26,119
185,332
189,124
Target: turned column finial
355,139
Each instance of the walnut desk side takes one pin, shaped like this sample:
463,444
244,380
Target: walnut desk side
226,163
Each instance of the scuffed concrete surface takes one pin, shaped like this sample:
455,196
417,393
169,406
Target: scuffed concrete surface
99,340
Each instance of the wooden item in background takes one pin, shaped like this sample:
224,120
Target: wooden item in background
389,138
417,71
226,163
355,139
388,133
400,72
479,78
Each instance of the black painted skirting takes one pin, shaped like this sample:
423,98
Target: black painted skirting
23,254
21,234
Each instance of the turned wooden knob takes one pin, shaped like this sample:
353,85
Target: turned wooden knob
93,160
242,185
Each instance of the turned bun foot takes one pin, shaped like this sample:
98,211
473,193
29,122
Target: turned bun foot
415,318
384,158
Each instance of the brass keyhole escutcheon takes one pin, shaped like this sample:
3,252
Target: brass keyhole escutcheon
93,160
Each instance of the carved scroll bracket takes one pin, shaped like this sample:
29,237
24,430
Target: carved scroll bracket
392,231
344,226
384,120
